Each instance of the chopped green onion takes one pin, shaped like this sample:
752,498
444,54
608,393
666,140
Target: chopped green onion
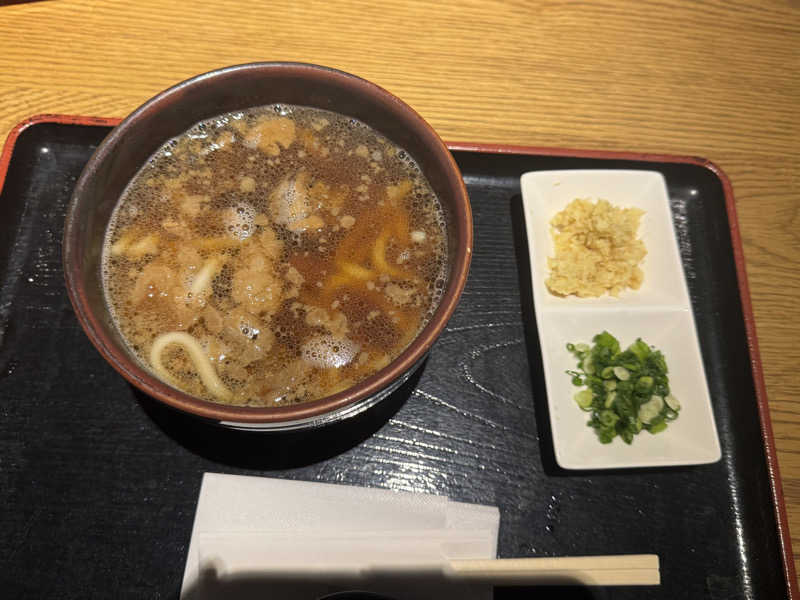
640,349
625,391
608,418
651,409
606,340
672,402
587,365
584,398
606,435
622,373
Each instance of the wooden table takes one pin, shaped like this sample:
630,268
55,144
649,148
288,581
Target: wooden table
715,79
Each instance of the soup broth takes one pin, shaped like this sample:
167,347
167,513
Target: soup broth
274,256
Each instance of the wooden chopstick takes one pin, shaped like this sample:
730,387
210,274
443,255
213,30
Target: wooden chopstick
630,569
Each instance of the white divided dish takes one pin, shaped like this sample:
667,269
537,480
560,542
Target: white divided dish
659,312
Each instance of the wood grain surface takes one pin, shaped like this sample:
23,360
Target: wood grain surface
719,79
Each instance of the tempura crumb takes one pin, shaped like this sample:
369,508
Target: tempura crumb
597,250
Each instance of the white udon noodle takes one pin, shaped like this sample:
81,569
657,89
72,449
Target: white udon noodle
203,279
190,345
198,357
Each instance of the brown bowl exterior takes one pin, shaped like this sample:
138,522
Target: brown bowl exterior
175,110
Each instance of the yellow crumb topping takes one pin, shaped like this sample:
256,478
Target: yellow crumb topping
597,250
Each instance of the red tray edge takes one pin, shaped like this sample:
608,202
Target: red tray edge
738,255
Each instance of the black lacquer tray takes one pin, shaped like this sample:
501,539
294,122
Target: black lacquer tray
98,484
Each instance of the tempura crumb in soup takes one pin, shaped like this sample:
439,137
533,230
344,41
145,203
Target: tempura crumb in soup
274,256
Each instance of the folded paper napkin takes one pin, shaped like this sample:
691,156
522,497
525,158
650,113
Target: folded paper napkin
259,534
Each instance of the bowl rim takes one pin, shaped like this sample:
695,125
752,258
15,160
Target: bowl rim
141,378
